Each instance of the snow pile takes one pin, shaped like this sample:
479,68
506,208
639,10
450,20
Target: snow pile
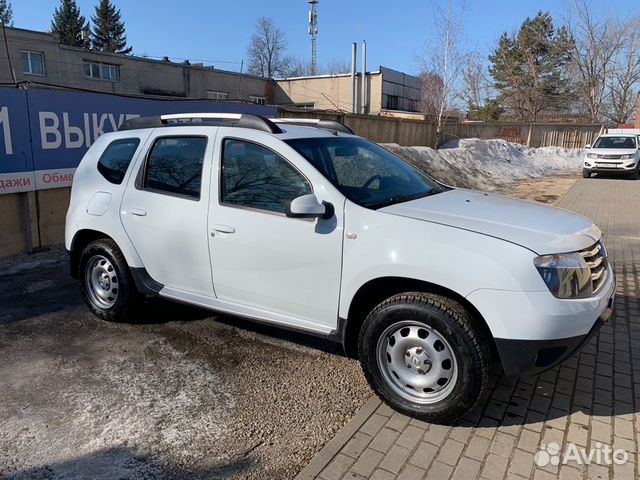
490,164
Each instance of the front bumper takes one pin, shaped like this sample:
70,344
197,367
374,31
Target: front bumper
528,357
622,166
534,331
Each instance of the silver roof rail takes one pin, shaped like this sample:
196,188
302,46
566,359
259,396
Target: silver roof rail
316,122
242,120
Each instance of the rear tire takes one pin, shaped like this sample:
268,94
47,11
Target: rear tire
106,282
423,356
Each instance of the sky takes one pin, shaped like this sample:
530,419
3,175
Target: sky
218,31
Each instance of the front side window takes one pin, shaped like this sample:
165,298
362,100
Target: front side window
364,172
174,166
255,177
32,62
115,159
615,142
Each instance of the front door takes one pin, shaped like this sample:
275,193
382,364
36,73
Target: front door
164,209
260,257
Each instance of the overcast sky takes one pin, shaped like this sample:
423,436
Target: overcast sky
218,31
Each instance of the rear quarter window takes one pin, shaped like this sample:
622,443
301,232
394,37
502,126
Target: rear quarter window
115,159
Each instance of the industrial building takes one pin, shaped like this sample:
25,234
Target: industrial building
39,57
385,90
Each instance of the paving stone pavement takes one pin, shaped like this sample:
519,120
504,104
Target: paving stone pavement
591,400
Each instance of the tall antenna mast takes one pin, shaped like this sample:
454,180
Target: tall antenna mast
313,32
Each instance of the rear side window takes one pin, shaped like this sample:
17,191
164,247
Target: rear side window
174,166
115,159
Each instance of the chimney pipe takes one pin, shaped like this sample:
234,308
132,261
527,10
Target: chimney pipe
363,89
354,95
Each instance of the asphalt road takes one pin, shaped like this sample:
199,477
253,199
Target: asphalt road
180,393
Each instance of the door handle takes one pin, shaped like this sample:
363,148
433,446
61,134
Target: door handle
223,229
137,212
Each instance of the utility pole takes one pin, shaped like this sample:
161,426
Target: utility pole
313,32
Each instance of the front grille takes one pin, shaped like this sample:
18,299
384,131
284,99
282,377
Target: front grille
596,258
609,157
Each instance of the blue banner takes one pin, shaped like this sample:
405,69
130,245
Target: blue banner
45,133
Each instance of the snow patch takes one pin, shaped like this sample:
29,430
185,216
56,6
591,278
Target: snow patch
490,164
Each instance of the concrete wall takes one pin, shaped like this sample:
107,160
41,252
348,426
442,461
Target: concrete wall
32,220
64,66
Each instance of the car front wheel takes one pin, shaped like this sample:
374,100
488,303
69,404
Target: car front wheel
586,174
105,281
423,356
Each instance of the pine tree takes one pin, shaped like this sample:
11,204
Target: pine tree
6,13
529,68
108,30
69,24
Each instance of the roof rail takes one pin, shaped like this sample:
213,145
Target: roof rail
243,120
315,122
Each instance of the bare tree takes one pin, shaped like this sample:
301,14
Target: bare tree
432,91
476,84
624,79
267,50
444,59
596,44
337,66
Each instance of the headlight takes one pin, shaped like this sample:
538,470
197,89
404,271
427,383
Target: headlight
628,156
592,155
567,275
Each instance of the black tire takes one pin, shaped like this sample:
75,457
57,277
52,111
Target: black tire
586,174
635,174
453,323
122,289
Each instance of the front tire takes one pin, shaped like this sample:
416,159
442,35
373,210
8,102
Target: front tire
423,356
586,174
106,282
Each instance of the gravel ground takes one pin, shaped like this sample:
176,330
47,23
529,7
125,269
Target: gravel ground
180,393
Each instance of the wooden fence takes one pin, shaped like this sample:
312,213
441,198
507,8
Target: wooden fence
423,133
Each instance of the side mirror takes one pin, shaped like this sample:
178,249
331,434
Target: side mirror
308,206
588,145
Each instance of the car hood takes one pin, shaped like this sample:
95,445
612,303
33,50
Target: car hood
538,227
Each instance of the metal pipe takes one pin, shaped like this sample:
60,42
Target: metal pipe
363,89
354,95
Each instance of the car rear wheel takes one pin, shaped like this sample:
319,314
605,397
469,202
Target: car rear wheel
423,356
105,281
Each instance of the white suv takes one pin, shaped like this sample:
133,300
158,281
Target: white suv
613,153
303,225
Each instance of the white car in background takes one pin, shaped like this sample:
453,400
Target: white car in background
303,225
613,153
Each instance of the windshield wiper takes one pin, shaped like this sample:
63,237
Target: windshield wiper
400,198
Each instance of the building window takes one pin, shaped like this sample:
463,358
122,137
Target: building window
102,71
307,106
213,95
257,100
392,102
32,62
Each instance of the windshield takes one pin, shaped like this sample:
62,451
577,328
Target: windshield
615,142
364,172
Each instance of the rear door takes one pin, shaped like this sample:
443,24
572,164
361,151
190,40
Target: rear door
164,209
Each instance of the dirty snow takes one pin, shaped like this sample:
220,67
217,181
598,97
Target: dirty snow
490,164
